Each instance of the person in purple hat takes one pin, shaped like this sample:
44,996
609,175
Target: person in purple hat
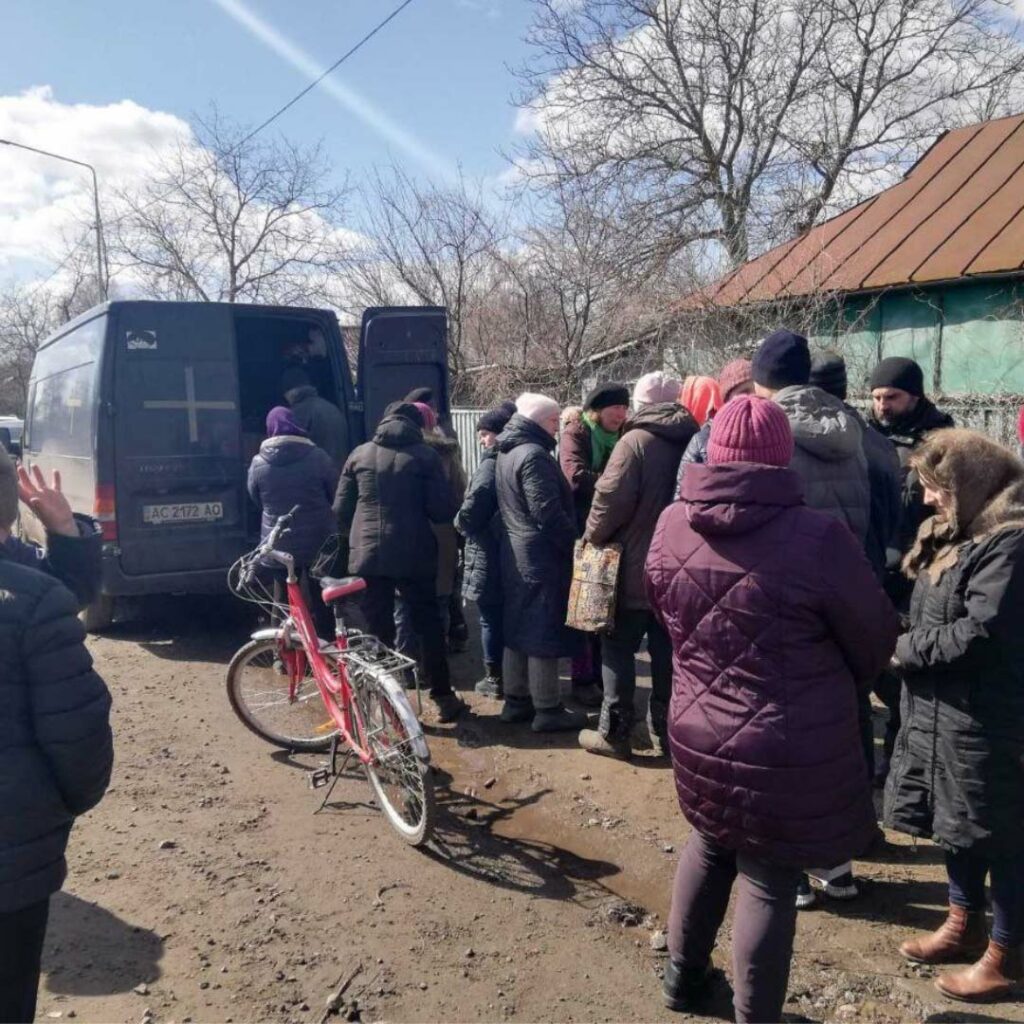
775,618
290,470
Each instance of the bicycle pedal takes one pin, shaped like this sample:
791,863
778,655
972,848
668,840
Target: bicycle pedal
318,777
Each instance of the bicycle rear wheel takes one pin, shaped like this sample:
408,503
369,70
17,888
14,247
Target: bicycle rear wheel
398,770
259,689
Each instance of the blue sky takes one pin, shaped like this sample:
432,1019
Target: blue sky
438,69
97,80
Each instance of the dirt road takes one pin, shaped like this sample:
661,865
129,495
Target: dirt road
205,888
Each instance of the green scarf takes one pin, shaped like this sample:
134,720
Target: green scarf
601,444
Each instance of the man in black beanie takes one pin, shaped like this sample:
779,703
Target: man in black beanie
901,411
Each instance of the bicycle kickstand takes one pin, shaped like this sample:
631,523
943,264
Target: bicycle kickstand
330,771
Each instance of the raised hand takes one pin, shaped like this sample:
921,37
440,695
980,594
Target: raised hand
47,501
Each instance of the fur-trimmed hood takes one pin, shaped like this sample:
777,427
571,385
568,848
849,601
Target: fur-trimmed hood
986,482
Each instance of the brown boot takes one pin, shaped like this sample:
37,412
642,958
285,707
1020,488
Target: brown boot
999,971
962,936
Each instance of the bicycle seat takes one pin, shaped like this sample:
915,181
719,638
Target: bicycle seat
335,589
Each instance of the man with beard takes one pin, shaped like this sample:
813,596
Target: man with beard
901,412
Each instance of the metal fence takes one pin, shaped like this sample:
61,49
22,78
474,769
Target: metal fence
464,425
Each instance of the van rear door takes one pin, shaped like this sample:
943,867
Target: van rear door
401,348
177,442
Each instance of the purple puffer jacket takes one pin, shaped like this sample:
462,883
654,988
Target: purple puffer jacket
775,616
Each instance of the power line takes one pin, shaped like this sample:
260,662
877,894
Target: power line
337,64
238,145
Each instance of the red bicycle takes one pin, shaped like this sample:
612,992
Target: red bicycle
286,679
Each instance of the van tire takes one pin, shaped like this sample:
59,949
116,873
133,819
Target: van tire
99,615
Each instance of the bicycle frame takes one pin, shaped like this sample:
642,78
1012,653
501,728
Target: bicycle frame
334,687
299,643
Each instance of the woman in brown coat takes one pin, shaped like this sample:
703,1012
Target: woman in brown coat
636,486
584,448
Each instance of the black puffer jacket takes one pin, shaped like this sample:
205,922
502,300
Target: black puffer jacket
958,773
696,454
290,471
536,548
391,489
828,454
56,748
480,523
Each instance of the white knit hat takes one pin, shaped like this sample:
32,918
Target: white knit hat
535,407
655,387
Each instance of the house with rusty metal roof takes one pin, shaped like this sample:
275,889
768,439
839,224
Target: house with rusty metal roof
931,268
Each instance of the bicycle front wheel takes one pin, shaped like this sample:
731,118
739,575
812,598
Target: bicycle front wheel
261,694
398,769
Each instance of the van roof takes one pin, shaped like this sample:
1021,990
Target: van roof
247,307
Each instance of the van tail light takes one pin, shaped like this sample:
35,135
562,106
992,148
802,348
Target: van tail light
104,511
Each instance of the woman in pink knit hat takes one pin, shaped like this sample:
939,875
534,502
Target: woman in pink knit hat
775,618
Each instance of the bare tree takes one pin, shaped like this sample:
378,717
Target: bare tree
427,245
742,120
27,316
226,218
31,311
572,282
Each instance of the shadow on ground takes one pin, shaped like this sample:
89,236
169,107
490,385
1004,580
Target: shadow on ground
917,904
92,952
465,841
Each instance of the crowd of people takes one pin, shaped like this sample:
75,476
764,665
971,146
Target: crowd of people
782,555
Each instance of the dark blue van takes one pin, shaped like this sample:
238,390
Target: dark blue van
152,412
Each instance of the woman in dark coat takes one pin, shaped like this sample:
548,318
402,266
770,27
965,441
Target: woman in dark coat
290,470
775,619
958,769
536,566
479,522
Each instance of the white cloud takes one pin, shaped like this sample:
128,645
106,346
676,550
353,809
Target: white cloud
490,9
45,201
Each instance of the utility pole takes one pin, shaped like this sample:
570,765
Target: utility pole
101,278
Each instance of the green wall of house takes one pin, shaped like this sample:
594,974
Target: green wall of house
968,338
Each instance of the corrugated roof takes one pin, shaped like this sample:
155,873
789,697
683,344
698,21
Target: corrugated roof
959,212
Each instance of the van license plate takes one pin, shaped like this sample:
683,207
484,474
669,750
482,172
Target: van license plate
187,512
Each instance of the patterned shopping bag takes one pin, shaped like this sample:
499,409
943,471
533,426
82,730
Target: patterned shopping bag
595,574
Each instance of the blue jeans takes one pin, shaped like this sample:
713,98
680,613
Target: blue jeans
492,631
967,872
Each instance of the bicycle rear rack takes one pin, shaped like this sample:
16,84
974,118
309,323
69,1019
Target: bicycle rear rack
366,652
